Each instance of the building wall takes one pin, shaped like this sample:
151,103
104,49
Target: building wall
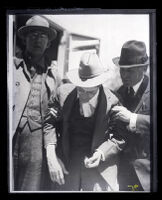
112,30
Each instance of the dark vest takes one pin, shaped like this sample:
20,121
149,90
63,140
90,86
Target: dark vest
81,132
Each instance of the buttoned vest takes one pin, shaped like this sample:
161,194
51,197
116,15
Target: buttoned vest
32,111
81,131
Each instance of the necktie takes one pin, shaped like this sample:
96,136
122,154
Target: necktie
32,71
130,92
129,98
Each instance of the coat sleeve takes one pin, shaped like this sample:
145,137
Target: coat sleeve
114,141
111,147
51,120
118,135
142,124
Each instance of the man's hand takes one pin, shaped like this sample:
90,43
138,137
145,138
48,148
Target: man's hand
93,161
122,113
56,166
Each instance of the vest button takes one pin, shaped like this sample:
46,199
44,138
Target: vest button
17,83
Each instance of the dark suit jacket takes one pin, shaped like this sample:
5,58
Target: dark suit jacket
137,146
66,96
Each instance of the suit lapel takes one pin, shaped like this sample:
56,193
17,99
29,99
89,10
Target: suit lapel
21,87
143,98
121,94
49,81
137,101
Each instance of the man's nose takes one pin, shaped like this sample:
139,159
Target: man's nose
38,38
125,73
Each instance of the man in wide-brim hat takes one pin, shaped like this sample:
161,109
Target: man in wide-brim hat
35,78
78,162
133,118
37,23
92,75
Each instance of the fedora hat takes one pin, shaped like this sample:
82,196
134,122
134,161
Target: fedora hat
90,73
133,54
37,23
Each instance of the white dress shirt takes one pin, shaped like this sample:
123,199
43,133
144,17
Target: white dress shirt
87,109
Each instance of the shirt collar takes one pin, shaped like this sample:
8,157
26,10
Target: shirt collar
87,109
93,101
40,64
20,62
136,87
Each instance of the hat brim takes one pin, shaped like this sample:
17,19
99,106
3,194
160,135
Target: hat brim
23,31
73,76
116,62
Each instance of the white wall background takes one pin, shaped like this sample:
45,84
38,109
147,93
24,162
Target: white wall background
113,30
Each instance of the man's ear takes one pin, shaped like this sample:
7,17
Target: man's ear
144,69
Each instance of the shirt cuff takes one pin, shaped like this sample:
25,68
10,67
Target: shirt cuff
49,144
102,154
132,123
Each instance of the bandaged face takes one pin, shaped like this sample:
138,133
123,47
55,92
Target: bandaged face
85,94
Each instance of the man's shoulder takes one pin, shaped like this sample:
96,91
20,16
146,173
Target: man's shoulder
110,95
53,69
17,62
65,89
66,86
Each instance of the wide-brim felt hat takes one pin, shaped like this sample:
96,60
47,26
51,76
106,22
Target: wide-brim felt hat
133,54
37,23
90,73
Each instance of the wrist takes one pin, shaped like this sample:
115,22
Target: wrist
50,151
132,122
50,147
102,157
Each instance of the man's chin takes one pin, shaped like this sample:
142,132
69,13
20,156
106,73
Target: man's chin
127,84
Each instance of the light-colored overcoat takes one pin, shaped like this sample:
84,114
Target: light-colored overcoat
21,88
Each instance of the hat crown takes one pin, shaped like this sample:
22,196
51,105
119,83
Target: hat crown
133,52
37,21
91,72
90,66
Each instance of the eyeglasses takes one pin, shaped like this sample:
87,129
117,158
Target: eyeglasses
35,35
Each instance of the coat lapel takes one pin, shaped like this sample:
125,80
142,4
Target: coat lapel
49,80
49,86
21,91
122,91
101,119
143,98
67,108
108,170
